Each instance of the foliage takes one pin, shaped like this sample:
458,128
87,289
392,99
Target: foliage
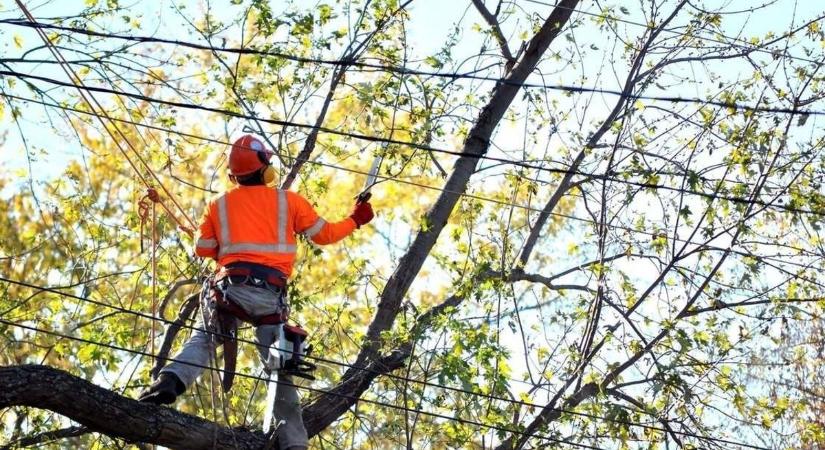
617,260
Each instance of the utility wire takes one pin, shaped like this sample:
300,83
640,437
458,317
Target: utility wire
92,103
738,42
395,179
370,138
368,370
381,177
409,71
308,388
539,168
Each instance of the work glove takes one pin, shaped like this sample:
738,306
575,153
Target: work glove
362,214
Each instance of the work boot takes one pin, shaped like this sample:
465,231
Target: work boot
164,390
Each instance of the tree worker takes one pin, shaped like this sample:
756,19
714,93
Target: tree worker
250,231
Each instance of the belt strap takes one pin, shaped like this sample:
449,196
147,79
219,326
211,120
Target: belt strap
244,269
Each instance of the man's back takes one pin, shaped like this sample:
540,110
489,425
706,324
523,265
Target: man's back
258,224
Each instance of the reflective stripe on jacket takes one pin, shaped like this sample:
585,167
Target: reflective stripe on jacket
258,224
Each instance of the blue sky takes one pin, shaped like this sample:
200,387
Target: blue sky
431,22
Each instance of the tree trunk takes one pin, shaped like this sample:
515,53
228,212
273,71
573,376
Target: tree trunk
327,408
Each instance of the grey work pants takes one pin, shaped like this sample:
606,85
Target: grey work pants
199,349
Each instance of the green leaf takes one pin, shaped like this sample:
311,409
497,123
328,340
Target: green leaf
324,14
432,61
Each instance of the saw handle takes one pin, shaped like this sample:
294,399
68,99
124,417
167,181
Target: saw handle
363,197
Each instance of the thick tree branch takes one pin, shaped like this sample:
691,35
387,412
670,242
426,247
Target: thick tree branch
104,411
328,407
476,145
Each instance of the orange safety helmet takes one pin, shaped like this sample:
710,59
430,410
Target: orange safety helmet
249,155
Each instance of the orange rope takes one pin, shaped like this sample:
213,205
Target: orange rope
92,102
154,271
150,200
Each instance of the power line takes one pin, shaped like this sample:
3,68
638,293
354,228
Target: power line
308,388
540,168
92,103
408,71
368,370
742,44
737,42
381,177
370,138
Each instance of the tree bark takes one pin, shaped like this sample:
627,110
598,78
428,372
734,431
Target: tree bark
104,411
327,408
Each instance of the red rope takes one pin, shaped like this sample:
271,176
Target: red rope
149,201
143,211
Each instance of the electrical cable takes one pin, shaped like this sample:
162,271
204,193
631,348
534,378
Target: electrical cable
743,44
381,177
408,71
538,168
737,42
370,138
311,389
366,369
92,103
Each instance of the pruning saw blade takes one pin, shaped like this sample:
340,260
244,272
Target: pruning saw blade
271,396
372,177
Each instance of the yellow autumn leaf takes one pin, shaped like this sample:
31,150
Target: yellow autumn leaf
18,41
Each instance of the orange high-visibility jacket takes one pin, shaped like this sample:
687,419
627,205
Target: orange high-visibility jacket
258,224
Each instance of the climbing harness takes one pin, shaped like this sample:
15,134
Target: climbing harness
221,314
220,317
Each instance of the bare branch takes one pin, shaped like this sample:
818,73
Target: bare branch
172,331
46,437
497,34
172,291
337,77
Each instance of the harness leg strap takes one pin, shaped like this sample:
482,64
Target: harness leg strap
230,351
